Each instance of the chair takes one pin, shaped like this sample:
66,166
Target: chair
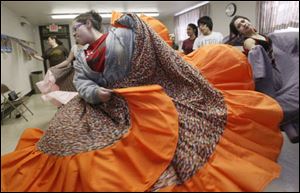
13,101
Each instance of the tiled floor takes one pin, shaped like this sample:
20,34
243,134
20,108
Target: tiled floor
11,129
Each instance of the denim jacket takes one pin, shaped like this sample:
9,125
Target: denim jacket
119,50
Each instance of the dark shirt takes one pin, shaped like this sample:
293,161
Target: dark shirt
267,45
95,54
175,46
187,45
56,55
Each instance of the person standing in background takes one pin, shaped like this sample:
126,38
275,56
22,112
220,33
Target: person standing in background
207,36
56,54
174,45
72,56
192,32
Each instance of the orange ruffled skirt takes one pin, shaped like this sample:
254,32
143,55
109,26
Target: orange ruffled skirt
243,160
245,157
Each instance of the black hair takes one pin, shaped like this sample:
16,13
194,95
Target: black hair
93,16
53,37
233,32
194,27
206,21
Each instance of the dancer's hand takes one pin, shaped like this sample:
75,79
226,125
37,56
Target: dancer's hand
104,94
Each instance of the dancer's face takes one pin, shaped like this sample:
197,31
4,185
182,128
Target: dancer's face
243,26
81,33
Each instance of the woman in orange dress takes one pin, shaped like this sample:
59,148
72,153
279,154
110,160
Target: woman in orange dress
169,124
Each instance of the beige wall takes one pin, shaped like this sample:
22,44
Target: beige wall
217,13
221,21
15,68
169,22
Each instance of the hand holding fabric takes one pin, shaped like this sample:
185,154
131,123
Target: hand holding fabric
104,94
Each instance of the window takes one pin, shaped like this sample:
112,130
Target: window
275,15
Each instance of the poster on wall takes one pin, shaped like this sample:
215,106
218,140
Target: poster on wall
28,50
6,45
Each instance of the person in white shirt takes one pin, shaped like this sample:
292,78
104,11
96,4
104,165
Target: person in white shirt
207,36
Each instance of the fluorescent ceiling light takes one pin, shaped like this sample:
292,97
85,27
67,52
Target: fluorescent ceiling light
149,14
103,15
64,16
191,8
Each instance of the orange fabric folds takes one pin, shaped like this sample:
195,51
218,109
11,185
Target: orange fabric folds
132,164
158,27
155,24
223,66
245,157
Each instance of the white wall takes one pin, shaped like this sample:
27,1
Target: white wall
15,68
221,21
169,22
217,13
